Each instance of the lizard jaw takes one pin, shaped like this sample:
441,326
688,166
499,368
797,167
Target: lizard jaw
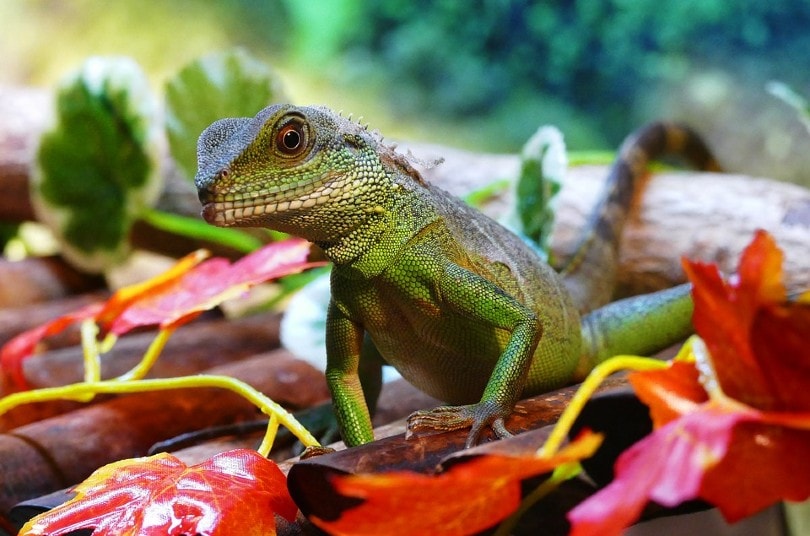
249,212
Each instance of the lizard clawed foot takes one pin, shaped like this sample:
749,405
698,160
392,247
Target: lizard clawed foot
446,418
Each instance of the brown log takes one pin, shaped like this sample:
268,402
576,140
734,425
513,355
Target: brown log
308,480
25,112
398,399
196,347
58,452
39,279
15,320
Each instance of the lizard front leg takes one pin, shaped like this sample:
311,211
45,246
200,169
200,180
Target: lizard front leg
476,298
344,342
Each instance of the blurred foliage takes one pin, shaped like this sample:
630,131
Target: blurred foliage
460,59
98,166
543,164
223,84
483,74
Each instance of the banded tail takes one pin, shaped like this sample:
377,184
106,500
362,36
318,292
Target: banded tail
591,272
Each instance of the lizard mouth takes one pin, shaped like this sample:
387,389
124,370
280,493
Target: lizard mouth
227,213
228,210
246,212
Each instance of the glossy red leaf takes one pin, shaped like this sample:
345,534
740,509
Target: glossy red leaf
467,498
236,492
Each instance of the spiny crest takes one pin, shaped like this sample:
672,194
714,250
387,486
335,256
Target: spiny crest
388,151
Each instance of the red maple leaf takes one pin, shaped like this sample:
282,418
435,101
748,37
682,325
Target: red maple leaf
236,492
179,295
733,430
467,498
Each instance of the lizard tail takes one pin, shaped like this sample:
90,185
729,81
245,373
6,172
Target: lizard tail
591,272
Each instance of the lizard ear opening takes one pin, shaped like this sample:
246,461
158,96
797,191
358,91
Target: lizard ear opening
292,138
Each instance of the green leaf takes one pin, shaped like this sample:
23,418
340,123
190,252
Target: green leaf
196,228
228,84
480,196
543,165
98,167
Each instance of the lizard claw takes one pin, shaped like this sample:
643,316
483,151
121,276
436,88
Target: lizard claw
447,418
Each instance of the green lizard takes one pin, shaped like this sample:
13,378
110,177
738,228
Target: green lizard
462,307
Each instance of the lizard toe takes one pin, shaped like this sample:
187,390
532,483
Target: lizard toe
477,417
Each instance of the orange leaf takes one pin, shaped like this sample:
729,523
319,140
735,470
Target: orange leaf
669,392
236,492
467,498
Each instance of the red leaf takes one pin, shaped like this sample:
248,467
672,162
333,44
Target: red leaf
170,299
779,343
741,449
20,347
764,464
469,497
236,492
208,284
667,467
125,297
724,316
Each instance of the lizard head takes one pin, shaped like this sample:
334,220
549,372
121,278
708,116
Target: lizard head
303,170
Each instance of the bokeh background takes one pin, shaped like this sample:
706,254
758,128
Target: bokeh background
480,74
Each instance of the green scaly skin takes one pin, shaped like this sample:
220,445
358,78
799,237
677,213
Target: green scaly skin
459,305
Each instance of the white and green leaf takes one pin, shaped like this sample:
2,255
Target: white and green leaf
98,166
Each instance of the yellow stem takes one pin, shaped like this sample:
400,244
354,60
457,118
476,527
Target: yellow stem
92,361
152,353
586,391
80,391
269,436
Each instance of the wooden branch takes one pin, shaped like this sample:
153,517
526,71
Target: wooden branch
309,480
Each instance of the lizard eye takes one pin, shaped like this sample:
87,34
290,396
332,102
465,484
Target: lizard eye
291,139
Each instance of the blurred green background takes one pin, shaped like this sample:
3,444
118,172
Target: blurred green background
477,74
